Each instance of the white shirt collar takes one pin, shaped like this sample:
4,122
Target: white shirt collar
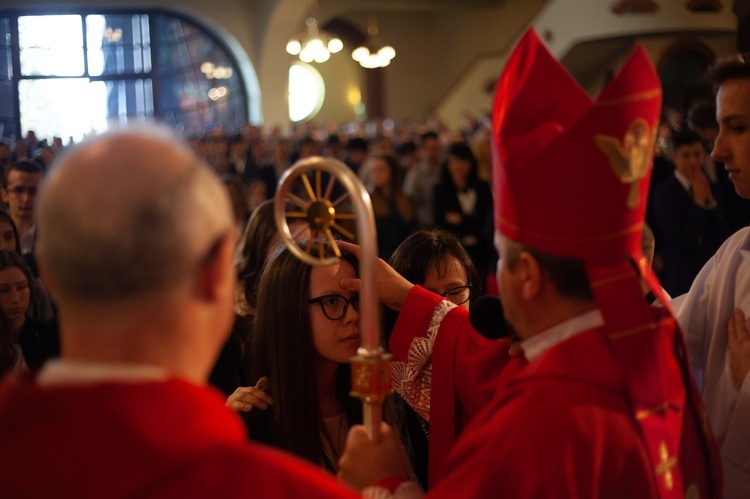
683,180
536,345
26,240
59,372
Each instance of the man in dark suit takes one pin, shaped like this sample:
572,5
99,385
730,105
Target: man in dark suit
691,222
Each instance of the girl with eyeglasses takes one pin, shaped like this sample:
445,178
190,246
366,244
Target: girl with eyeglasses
230,373
306,329
436,260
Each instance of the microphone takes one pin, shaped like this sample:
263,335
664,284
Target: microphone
487,318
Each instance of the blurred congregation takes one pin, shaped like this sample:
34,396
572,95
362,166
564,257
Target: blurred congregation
406,167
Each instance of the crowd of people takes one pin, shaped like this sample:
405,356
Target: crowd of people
164,262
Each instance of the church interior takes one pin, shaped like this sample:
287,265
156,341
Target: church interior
448,53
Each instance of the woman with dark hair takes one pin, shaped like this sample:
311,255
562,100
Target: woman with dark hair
259,232
464,205
238,196
260,239
435,260
24,342
394,214
309,382
8,233
41,307
230,373
306,330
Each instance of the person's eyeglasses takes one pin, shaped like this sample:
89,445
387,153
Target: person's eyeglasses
335,306
20,191
458,295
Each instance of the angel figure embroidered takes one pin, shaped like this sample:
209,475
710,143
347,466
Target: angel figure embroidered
630,159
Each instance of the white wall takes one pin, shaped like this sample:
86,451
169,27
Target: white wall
343,78
474,53
412,81
567,23
433,49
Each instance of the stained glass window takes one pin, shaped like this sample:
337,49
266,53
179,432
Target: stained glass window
83,73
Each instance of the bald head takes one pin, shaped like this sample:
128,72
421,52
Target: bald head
126,214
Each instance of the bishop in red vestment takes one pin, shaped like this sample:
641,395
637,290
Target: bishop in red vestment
601,403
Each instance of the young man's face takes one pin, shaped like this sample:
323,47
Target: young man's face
688,158
733,143
432,148
21,194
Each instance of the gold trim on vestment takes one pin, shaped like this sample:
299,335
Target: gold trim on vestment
646,94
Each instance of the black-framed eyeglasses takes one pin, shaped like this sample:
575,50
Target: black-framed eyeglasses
458,295
19,191
335,307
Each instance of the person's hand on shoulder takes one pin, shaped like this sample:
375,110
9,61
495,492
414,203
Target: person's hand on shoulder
245,398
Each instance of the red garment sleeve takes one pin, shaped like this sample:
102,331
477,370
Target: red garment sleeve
443,368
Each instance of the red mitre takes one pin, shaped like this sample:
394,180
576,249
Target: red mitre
571,175
570,179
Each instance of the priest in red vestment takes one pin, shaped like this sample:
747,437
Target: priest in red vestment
600,403
135,239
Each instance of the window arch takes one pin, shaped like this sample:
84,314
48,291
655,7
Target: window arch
72,73
682,73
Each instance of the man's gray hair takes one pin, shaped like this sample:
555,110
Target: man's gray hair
128,213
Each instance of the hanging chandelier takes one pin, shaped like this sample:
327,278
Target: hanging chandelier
373,53
314,44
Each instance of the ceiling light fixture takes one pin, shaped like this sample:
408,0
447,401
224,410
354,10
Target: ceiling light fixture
373,53
314,44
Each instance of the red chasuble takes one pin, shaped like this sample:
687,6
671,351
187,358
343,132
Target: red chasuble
149,439
614,412
590,161
563,427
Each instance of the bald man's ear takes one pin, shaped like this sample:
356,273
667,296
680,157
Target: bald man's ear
216,278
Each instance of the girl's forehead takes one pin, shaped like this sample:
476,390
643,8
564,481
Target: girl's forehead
446,265
334,271
12,274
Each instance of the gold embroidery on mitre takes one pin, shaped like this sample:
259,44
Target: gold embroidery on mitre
631,158
666,463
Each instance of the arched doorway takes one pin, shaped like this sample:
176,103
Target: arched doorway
682,71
